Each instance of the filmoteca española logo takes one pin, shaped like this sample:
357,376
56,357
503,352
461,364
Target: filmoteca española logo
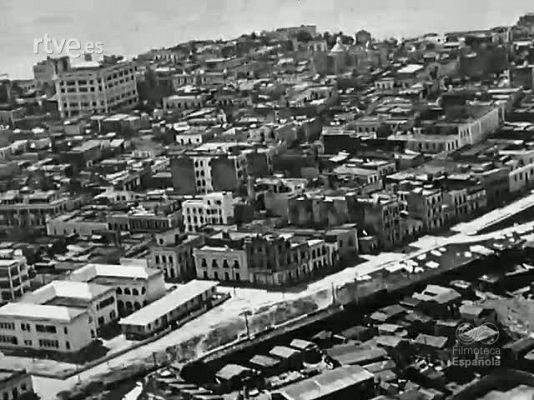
468,333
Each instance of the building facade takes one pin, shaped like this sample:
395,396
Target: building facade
99,88
135,286
14,277
172,253
210,209
45,327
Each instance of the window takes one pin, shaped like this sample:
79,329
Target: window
67,345
135,292
8,339
48,343
127,291
65,330
28,343
45,328
7,325
119,290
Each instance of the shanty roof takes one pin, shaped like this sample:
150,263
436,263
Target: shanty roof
327,383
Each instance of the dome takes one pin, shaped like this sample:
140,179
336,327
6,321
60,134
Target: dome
339,47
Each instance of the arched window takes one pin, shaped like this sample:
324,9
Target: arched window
129,305
137,306
15,393
225,264
127,291
214,264
135,292
120,304
236,264
226,276
119,290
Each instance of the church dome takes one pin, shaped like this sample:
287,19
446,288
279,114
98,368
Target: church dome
339,47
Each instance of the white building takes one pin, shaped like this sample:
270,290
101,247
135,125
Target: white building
135,286
99,300
221,263
213,208
96,87
45,327
14,276
169,310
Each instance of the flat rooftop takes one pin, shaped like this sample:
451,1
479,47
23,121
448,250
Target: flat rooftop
40,312
67,293
168,303
90,272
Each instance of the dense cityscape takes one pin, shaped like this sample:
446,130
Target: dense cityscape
288,215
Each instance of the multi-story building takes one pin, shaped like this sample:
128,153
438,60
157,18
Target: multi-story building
425,204
45,327
15,385
148,217
172,253
45,71
84,223
99,300
135,286
214,166
381,217
266,260
14,276
96,88
215,208
31,210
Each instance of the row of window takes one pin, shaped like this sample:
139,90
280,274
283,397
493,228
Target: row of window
105,303
214,264
128,291
7,325
227,276
164,259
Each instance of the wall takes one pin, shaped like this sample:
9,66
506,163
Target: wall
183,175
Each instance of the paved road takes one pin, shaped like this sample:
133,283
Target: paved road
246,299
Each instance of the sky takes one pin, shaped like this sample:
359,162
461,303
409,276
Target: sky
129,27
